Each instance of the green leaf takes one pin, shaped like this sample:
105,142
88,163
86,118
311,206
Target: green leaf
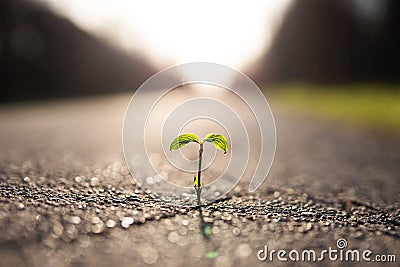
218,140
182,140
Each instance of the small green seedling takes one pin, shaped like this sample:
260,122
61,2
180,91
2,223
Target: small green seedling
219,142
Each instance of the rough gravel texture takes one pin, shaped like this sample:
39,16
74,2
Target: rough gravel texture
67,199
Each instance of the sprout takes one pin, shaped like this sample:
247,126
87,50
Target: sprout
219,142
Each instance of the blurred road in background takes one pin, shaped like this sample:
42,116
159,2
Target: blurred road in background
67,198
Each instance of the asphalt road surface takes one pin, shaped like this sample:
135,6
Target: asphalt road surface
67,199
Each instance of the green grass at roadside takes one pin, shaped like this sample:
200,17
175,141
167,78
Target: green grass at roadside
375,106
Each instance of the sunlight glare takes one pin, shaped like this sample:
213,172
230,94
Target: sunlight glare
226,32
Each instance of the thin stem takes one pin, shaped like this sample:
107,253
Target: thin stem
200,159
198,192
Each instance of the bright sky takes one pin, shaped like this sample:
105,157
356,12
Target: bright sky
171,32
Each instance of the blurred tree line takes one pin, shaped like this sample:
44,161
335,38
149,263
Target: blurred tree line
43,55
323,41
